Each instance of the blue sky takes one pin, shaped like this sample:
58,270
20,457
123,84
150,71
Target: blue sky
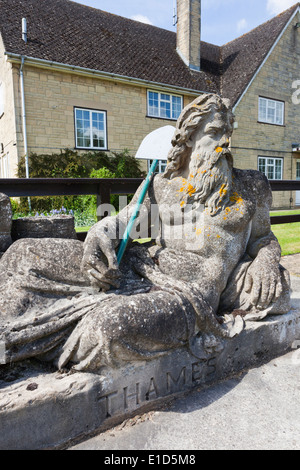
222,20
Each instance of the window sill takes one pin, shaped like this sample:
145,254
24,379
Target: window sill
92,149
270,124
161,118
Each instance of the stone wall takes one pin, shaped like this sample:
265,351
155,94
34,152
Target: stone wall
51,96
253,139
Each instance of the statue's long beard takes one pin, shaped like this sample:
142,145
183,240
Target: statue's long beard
209,181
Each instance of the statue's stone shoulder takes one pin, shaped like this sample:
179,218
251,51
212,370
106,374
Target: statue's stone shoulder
255,182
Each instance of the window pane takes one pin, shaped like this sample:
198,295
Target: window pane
270,173
262,109
271,114
162,166
82,128
262,165
165,97
79,113
278,169
176,107
279,113
153,104
165,109
298,170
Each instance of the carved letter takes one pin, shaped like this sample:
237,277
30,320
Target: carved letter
171,379
133,395
108,403
152,389
211,363
196,372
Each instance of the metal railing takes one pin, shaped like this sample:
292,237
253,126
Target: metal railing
104,187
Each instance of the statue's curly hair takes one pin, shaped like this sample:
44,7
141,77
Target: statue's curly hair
194,113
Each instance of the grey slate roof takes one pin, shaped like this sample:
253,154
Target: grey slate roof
67,32
242,57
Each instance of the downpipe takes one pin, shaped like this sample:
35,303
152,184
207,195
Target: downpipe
24,122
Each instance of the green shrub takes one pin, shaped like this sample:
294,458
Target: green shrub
73,164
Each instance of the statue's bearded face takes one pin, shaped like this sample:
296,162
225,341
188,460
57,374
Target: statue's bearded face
200,153
213,134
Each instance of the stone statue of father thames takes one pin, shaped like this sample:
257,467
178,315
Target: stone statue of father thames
70,303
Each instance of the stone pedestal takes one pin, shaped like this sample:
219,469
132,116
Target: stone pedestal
42,410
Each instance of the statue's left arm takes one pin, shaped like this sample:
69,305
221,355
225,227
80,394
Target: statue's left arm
263,279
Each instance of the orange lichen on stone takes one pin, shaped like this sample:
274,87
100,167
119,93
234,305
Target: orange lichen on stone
236,198
182,203
219,149
190,190
223,190
182,189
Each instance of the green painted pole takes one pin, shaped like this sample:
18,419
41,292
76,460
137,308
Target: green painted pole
140,201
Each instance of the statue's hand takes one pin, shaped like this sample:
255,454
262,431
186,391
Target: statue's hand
99,261
263,282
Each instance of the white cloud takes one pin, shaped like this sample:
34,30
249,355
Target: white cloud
275,7
141,19
242,25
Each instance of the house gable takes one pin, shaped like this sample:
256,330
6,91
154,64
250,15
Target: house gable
254,140
242,58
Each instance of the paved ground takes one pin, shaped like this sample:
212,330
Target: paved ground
259,409
292,263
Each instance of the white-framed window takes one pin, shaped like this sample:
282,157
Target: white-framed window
270,111
4,166
1,99
90,129
163,105
298,170
160,167
271,167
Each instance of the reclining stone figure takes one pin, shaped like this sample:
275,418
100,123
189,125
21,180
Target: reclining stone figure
215,264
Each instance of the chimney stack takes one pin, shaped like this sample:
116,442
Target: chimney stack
189,32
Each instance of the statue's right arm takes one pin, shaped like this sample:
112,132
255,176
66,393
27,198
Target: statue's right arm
99,261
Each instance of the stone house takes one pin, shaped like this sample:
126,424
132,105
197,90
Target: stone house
72,76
